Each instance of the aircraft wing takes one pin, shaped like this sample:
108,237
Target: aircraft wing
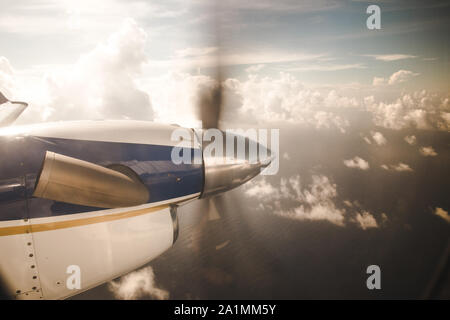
10,110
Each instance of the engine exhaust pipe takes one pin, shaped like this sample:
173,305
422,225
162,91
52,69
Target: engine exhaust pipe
75,181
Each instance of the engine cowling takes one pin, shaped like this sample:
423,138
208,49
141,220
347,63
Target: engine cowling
75,181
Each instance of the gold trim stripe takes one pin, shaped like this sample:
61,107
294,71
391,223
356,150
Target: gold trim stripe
9,231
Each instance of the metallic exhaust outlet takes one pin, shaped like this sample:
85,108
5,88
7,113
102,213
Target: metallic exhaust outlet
75,181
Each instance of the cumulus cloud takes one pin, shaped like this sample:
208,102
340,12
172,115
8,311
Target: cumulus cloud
106,83
316,212
400,167
175,96
9,112
261,189
428,152
7,81
411,140
348,203
335,100
357,163
285,98
366,220
401,76
442,213
420,110
315,202
257,99
102,84
396,78
378,81
137,284
378,138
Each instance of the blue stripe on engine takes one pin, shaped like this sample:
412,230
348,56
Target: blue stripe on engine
21,158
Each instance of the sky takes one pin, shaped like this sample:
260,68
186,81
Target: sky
364,119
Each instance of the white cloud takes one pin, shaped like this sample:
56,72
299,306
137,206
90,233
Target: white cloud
411,140
400,167
174,97
284,98
420,110
401,76
73,19
286,156
315,202
202,59
137,284
193,52
5,66
396,78
333,99
357,163
255,68
442,213
107,83
379,138
101,84
378,81
390,57
7,80
261,189
320,211
348,203
366,220
326,67
257,99
428,152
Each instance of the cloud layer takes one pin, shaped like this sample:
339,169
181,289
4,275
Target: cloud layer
108,83
400,167
428,152
357,163
314,202
100,85
419,110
